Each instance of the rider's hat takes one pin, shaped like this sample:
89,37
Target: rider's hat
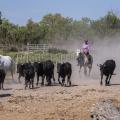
86,40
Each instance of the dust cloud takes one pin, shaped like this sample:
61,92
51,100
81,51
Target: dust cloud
101,50
105,49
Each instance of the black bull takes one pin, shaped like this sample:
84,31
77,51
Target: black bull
107,69
85,61
64,70
45,69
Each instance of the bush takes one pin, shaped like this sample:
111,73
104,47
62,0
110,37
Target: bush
13,49
56,50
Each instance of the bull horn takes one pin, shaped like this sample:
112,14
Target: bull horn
98,65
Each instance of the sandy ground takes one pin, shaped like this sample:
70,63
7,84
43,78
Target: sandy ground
56,102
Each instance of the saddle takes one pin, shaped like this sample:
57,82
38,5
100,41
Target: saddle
82,58
88,57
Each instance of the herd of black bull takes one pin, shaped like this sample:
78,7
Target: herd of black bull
45,70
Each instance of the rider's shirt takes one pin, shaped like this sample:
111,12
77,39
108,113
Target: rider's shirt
85,48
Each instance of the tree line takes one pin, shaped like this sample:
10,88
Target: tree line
54,28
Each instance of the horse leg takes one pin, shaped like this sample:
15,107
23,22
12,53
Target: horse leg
80,69
90,68
89,71
85,70
78,62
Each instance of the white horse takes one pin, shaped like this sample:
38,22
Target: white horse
8,64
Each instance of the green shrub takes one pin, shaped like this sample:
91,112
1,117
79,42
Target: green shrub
13,49
56,51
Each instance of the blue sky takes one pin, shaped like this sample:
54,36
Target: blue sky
19,11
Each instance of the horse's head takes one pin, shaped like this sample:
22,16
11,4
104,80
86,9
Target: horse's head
101,66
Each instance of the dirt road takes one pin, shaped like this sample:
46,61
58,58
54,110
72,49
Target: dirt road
56,102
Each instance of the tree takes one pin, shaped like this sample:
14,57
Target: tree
0,17
56,27
107,25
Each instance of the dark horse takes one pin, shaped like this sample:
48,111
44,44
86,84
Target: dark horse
85,61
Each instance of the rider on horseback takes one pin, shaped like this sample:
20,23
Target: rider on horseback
86,49
84,58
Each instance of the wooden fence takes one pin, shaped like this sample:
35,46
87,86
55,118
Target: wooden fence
41,54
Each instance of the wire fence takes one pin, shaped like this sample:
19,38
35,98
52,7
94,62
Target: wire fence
39,52
37,47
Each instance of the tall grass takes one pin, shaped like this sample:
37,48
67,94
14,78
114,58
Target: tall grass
22,57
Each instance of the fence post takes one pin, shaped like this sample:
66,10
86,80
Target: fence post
21,58
51,57
28,47
40,57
